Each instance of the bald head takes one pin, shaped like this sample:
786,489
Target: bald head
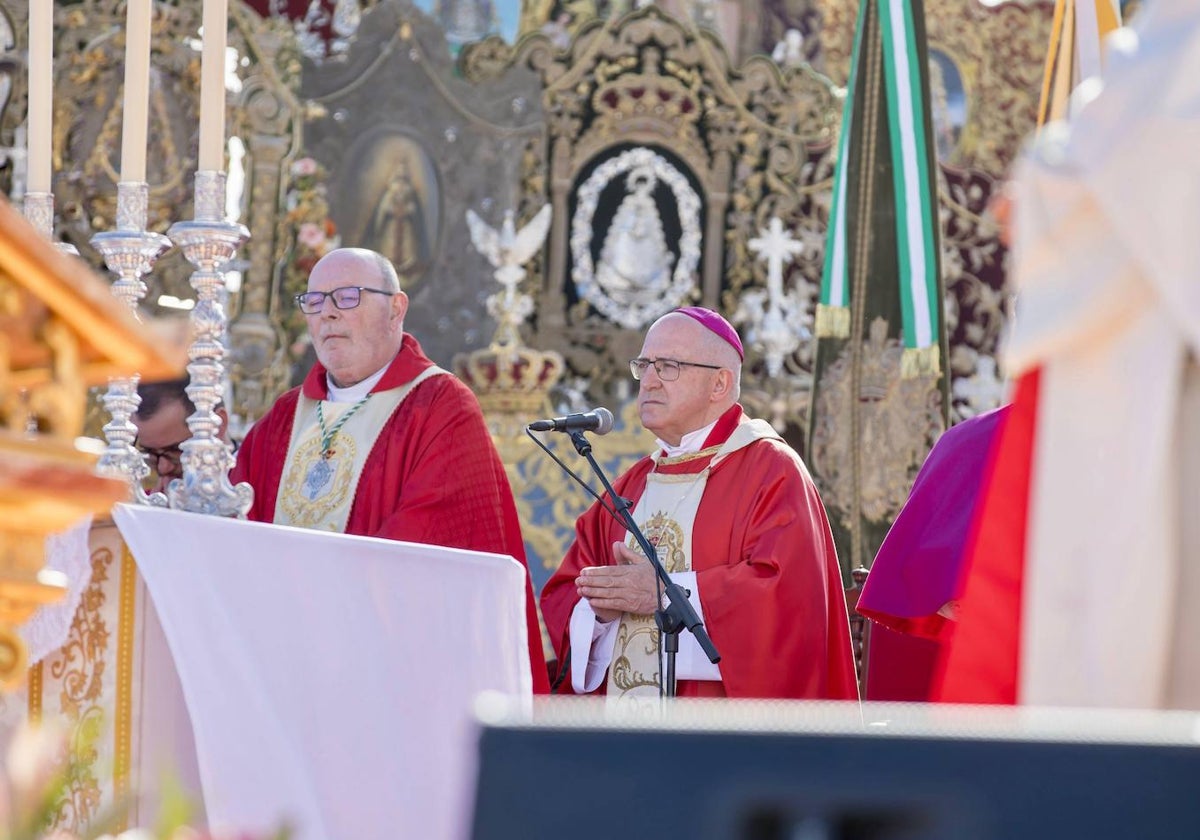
714,349
707,384
357,341
370,266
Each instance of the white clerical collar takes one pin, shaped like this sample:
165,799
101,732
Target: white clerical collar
689,443
355,392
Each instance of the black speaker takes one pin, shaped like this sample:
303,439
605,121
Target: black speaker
812,772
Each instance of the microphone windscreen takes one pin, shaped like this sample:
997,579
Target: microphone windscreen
606,421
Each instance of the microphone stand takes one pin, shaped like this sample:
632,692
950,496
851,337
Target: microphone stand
679,612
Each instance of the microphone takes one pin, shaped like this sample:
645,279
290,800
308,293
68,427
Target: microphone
598,420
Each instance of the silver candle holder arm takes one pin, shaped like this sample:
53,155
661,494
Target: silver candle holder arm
208,242
129,252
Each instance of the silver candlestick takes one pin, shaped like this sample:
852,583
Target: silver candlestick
39,212
130,252
209,243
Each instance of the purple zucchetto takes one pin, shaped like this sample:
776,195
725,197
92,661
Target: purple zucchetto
715,323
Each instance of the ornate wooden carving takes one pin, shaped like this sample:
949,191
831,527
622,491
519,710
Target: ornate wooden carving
394,121
268,117
757,143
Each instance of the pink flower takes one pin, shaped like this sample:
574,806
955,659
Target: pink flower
35,756
311,235
304,166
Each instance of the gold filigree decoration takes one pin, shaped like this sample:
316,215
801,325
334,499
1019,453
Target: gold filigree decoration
997,54
641,634
90,38
548,500
513,384
312,234
79,668
61,403
894,436
974,272
758,142
665,534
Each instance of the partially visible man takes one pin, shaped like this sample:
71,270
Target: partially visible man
162,429
379,441
736,520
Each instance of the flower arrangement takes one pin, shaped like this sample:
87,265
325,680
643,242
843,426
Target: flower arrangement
311,233
38,770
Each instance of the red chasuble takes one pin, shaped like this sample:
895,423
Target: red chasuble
433,476
765,566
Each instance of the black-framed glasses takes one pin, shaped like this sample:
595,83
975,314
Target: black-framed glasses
667,369
347,297
152,455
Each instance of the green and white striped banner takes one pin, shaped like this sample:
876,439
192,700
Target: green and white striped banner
833,307
903,55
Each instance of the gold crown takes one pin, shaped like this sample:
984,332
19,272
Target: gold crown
510,379
648,95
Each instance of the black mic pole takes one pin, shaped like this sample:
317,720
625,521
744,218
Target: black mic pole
679,612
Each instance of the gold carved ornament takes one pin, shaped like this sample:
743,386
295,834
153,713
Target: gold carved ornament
893,440
758,142
999,52
61,330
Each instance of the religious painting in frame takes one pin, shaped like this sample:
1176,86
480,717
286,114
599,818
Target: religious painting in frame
391,201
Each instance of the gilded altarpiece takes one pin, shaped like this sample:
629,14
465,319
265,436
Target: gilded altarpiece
649,128
264,114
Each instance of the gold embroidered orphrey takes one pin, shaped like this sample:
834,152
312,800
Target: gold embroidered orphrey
898,420
635,667
635,672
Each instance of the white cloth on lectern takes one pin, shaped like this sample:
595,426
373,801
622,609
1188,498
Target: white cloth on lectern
330,678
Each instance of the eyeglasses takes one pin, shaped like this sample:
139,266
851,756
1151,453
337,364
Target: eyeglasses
667,369
151,455
347,297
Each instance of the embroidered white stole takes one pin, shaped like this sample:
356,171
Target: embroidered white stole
325,504
666,514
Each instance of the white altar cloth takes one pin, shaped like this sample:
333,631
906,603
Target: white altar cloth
329,678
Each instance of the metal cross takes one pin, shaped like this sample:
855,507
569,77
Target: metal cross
778,248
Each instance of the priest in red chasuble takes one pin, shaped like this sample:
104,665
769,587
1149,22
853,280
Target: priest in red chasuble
736,521
378,440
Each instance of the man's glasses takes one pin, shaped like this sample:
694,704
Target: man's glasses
152,456
667,369
347,297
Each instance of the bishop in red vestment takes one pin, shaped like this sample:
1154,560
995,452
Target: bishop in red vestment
427,470
735,518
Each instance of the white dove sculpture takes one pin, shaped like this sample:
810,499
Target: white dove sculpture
508,249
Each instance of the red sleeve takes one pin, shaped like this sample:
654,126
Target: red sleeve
769,581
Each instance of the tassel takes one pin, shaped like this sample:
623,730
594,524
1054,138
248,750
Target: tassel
832,321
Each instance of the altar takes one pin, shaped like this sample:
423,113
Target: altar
292,677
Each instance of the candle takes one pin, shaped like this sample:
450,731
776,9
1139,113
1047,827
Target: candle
137,90
212,88
41,94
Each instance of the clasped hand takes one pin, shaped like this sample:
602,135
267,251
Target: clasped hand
627,587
